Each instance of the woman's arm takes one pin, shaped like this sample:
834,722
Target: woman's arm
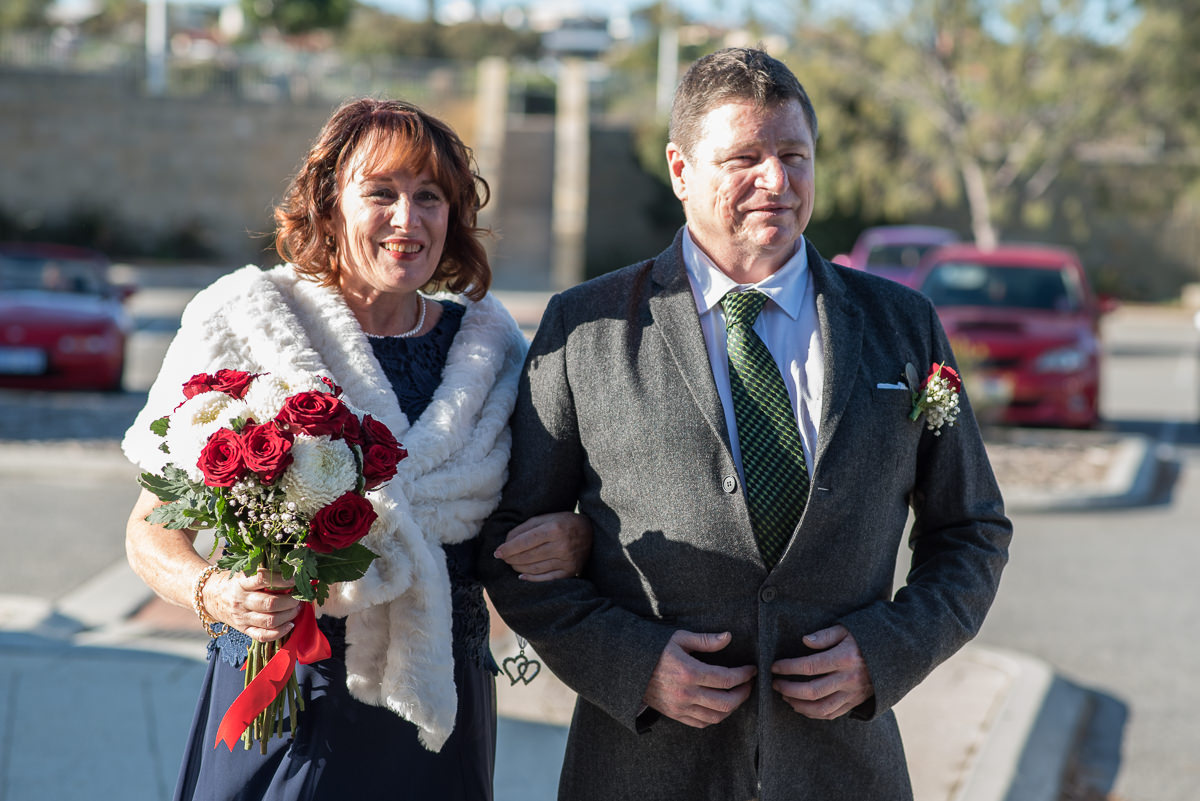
547,547
166,559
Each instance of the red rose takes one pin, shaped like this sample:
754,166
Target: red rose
947,372
201,382
231,382
352,431
314,413
334,388
267,450
340,524
381,453
222,461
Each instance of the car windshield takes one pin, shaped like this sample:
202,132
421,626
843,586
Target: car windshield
907,255
38,273
969,284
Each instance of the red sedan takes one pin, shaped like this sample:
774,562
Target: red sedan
62,324
1025,326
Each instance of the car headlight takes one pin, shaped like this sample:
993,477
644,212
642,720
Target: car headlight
1070,359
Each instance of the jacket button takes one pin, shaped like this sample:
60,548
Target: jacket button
768,594
729,484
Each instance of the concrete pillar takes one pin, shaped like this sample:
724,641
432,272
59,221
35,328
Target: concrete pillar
491,123
570,174
668,68
156,47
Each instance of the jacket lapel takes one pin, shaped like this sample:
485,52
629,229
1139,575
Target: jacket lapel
673,309
841,334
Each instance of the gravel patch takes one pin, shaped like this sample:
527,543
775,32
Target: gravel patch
1052,460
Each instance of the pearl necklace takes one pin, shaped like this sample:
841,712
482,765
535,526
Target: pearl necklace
420,320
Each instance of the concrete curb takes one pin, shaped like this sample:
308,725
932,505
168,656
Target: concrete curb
1028,744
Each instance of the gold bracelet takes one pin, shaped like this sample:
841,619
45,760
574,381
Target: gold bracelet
207,620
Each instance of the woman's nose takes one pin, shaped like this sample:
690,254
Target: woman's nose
402,212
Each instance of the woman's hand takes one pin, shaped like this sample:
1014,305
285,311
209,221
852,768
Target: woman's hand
258,605
548,547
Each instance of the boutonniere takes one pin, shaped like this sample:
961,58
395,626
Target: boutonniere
936,396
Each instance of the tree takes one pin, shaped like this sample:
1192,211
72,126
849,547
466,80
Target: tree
997,94
372,32
298,16
23,14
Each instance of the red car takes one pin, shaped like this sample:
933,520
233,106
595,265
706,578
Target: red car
894,251
1025,327
62,324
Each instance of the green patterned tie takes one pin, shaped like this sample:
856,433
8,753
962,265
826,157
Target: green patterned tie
772,454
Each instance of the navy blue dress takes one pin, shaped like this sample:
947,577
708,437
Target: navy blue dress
344,748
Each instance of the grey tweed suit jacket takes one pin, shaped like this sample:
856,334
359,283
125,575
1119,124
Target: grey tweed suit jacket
618,413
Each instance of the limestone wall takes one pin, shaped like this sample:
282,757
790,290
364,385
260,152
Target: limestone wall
213,166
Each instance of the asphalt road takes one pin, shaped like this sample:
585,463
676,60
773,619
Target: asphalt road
1109,598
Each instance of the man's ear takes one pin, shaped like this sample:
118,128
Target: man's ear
677,166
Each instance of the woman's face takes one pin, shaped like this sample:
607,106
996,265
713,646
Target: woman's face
390,229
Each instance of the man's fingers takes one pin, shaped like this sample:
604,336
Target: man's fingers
824,709
525,564
706,643
692,692
550,575
826,638
704,706
841,681
840,653
525,538
702,674
808,690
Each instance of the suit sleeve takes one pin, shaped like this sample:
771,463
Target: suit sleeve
959,543
602,651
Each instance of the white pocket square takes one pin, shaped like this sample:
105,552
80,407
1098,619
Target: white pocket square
891,386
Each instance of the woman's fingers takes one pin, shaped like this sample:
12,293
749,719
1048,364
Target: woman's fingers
260,605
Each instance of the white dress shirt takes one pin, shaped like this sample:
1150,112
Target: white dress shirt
787,325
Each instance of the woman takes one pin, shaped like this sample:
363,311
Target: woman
383,207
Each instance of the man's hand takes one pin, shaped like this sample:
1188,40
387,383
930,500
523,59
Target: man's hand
694,693
842,681
547,547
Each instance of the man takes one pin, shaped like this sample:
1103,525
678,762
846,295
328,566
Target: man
736,634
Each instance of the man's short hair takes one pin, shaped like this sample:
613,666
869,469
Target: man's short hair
731,75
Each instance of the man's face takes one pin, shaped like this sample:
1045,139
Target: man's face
747,189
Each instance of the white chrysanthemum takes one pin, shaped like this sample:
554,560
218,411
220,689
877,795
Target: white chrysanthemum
194,422
267,393
322,470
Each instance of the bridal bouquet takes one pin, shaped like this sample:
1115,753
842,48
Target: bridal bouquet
279,470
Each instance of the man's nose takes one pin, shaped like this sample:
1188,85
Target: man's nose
772,175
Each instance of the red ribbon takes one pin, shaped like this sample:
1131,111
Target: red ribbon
306,644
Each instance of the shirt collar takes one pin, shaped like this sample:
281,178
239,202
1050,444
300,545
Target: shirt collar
786,286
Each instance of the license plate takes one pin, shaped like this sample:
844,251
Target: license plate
22,361
993,389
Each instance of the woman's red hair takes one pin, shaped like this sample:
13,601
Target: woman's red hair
384,135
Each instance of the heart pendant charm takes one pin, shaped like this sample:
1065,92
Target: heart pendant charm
521,668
